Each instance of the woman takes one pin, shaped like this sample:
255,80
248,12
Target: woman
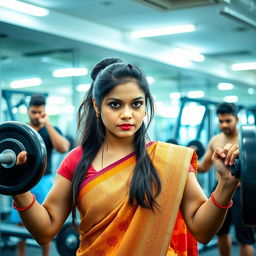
135,197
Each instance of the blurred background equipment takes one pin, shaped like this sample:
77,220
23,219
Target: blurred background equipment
186,49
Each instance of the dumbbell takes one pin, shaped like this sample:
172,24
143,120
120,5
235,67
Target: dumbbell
16,137
199,147
67,240
245,170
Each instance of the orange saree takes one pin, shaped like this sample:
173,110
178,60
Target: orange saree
110,226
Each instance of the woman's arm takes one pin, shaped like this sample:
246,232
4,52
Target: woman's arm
44,221
202,216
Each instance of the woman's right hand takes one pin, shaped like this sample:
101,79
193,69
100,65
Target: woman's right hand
21,158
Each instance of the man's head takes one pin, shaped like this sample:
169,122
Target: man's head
227,116
36,109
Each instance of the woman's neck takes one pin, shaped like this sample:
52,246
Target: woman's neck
118,145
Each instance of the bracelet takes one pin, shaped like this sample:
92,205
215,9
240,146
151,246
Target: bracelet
221,206
25,208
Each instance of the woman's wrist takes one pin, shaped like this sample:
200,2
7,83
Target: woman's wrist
22,200
223,194
226,185
21,209
226,206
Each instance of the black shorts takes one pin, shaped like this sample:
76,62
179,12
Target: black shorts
244,234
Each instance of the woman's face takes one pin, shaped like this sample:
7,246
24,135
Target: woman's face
123,110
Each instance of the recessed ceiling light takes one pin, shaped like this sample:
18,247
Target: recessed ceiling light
56,100
225,86
231,99
66,72
185,54
83,87
163,31
26,83
251,91
174,95
244,66
24,7
195,94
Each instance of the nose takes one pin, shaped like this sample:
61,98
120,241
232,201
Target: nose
37,115
126,113
224,125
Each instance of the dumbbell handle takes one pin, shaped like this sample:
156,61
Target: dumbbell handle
8,158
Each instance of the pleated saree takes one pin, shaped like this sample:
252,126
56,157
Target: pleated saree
111,226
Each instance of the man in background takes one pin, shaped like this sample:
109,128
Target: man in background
53,139
228,119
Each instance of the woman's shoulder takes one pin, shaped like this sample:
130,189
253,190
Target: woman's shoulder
74,156
70,162
76,151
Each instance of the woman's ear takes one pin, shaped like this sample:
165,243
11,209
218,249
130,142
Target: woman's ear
95,106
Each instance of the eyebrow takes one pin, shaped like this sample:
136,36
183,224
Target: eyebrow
116,99
225,120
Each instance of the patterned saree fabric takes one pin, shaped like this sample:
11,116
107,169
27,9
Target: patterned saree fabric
111,226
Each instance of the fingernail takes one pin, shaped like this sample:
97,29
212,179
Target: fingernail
223,155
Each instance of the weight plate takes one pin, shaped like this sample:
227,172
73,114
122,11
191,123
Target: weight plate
247,148
67,240
200,150
18,136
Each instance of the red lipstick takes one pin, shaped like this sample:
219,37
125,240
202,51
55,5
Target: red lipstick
125,127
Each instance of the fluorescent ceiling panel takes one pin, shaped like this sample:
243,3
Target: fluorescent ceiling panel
24,7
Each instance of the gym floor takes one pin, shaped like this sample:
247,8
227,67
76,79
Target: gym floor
214,252
33,250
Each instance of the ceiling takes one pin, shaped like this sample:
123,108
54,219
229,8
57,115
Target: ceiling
82,32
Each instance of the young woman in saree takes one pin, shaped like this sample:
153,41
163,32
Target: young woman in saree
135,197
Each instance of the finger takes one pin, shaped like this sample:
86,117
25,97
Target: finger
217,154
220,153
229,155
232,154
226,148
21,158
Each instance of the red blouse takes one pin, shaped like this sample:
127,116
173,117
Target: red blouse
70,162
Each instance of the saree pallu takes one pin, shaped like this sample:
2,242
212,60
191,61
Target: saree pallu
111,226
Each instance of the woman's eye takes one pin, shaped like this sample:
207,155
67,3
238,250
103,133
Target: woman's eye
137,104
114,105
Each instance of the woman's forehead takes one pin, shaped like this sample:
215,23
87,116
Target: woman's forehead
126,90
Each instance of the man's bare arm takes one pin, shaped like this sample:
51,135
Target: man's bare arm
205,164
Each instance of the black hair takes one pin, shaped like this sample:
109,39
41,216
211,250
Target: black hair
37,100
226,108
145,183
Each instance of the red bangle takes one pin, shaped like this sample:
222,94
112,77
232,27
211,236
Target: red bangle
25,208
221,206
